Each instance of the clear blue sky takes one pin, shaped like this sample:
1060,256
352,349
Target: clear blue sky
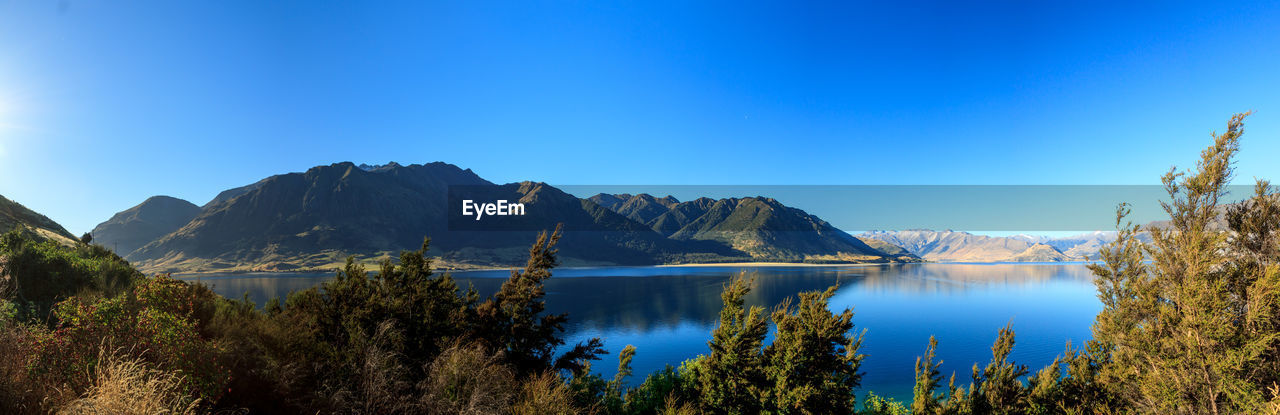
104,103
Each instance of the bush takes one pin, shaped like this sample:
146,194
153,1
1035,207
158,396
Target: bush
42,273
153,325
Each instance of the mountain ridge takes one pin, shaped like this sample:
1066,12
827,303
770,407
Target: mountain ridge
316,218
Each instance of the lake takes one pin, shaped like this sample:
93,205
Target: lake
668,312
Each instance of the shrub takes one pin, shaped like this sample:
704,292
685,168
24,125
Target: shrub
153,325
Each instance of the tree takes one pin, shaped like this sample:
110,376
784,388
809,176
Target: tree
812,364
927,380
512,321
730,378
1195,329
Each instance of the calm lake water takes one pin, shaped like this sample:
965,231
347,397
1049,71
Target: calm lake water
668,312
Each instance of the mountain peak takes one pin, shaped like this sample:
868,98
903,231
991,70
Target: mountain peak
143,223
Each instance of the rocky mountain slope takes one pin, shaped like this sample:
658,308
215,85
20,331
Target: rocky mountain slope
759,226
153,218
315,219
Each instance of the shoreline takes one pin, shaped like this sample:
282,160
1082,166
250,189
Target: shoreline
762,264
196,274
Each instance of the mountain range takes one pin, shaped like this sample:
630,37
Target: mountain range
759,226
953,246
315,219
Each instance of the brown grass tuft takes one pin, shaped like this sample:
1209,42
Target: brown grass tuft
545,394
465,379
128,387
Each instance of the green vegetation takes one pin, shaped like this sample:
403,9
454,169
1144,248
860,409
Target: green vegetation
1191,324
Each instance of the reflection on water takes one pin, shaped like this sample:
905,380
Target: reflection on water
669,312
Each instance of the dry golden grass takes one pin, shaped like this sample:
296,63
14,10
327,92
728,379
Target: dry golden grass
128,387
545,394
466,380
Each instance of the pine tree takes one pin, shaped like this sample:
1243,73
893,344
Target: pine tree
928,378
730,380
812,364
1194,330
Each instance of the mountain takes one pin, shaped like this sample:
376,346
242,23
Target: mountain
609,201
761,227
951,246
1040,253
305,218
644,208
14,215
153,218
315,219
1087,245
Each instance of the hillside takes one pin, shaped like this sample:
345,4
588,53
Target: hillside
1040,253
153,218
952,246
315,219
14,215
761,227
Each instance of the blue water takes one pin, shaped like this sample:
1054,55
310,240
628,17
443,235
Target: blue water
668,312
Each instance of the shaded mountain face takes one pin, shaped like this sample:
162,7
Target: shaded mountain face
315,219
338,208
609,201
14,215
644,208
146,222
760,227
318,217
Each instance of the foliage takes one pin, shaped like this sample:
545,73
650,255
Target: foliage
513,321
875,405
36,274
731,377
1195,329
812,364
154,325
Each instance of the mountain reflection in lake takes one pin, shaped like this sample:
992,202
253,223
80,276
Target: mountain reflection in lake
668,312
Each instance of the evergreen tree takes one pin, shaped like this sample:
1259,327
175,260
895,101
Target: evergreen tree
812,364
1194,330
730,378
928,378
513,321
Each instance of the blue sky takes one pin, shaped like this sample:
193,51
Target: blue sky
104,103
